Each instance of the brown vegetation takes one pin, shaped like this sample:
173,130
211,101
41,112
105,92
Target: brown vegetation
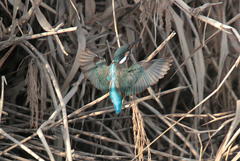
48,111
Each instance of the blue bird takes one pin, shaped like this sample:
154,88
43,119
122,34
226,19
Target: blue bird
118,79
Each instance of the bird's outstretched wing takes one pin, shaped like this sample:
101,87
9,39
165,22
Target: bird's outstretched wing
142,75
95,69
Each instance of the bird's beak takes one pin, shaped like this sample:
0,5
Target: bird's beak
129,51
134,43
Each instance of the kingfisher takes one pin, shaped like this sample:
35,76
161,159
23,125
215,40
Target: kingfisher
119,79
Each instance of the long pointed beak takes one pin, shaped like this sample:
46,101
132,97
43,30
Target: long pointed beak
129,51
133,43
131,46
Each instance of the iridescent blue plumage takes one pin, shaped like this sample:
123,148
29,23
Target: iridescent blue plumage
115,95
117,78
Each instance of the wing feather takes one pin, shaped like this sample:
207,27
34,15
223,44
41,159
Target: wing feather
142,75
95,69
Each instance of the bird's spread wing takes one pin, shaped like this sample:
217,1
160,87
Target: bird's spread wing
95,69
141,75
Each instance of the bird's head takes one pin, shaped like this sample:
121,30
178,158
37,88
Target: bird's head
122,53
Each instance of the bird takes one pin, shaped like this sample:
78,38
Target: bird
118,79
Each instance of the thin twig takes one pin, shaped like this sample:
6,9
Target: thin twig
194,108
160,47
115,22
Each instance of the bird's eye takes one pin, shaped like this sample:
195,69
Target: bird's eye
123,60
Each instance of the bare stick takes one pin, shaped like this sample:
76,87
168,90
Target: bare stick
194,108
115,23
156,51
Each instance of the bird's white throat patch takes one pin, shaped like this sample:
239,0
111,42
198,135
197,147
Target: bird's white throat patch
123,60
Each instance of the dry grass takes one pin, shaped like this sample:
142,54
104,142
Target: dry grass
48,111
